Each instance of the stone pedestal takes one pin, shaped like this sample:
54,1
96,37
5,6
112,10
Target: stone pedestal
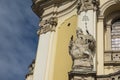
81,75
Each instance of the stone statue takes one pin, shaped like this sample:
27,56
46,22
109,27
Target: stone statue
82,51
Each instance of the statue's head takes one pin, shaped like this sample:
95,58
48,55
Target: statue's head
79,32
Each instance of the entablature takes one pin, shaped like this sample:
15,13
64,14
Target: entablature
39,5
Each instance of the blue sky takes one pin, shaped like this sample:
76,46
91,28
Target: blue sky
18,38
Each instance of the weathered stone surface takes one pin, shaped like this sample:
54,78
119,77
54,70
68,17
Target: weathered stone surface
82,50
84,5
47,25
75,75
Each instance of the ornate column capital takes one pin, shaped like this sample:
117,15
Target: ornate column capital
84,5
47,25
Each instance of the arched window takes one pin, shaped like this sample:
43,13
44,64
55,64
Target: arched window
115,35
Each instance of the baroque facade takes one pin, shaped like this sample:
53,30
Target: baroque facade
78,40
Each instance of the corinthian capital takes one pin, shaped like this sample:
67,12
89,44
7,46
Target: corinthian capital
48,25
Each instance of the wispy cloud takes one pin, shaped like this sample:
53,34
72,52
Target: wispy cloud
18,39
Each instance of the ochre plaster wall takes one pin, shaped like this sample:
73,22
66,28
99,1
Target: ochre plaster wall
63,61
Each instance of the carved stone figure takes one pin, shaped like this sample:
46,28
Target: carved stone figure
82,50
84,5
48,25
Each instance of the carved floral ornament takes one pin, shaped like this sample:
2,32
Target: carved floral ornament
82,51
47,25
84,5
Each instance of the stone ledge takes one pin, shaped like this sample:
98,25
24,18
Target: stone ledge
72,74
108,75
115,63
82,73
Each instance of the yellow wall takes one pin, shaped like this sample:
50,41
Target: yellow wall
63,61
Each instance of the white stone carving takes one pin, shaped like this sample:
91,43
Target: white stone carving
84,5
82,50
48,25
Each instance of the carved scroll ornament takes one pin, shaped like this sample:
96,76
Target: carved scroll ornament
48,25
82,51
84,5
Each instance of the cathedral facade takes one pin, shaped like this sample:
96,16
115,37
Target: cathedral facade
78,40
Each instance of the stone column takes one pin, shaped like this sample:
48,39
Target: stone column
43,57
108,37
100,46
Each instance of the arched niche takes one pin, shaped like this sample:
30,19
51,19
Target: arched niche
110,11
109,7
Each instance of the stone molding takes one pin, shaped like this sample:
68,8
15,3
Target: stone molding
111,75
111,58
106,5
47,25
73,75
93,75
80,5
39,5
85,5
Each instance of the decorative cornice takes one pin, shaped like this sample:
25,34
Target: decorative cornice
41,1
109,75
82,74
81,5
111,51
39,5
47,25
84,5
